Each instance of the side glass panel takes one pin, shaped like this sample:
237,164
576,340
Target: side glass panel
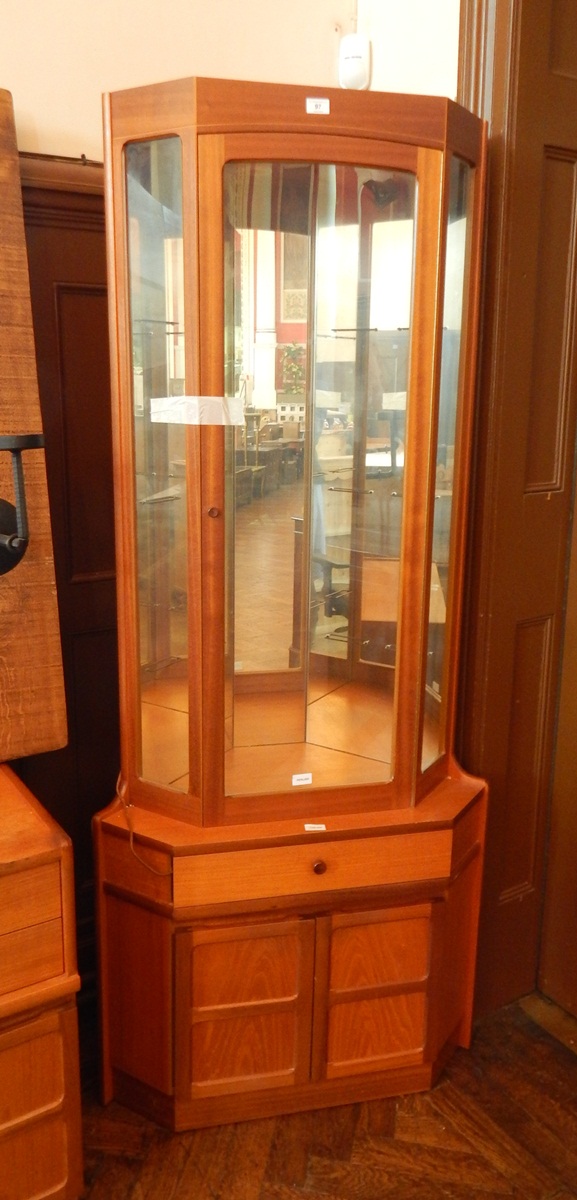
318,291
154,212
455,274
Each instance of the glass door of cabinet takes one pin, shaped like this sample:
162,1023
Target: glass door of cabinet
292,499
318,278
449,436
153,183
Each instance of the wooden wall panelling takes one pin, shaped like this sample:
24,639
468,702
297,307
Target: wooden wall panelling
64,224
524,478
558,962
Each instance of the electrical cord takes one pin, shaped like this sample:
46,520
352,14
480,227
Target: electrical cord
121,787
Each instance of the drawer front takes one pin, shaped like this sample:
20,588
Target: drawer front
34,1160
327,866
29,897
39,1143
30,956
32,1077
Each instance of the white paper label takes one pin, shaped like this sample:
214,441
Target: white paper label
300,780
197,410
319,106
315,828
394,401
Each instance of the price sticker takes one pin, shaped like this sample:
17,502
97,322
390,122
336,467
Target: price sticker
318,106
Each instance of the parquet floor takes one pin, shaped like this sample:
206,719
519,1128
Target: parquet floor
501,1123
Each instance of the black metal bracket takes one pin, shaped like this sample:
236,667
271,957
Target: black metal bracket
14,518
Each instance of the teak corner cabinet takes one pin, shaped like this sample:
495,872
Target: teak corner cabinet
289,875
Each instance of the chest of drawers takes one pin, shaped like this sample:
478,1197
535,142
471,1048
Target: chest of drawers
40,1139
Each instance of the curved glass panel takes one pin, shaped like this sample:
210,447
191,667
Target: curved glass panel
318,290
154,212
455,275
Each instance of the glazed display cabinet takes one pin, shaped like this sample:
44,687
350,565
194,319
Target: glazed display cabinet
289,874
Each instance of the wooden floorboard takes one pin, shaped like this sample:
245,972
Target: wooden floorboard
501,1124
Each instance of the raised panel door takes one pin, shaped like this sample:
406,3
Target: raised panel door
244,996
377,998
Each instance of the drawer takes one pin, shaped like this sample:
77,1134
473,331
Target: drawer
327,866
30,897
31,1071
38,1139
30,956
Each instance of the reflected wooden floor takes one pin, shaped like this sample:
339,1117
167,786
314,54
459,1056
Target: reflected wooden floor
264,556
501,1123
349,724
348,732
346,685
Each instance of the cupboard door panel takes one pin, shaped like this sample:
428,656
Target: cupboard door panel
370,949
244,993
244,1053
255,967
378,977
372,1035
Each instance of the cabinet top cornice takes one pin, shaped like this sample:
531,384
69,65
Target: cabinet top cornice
224,105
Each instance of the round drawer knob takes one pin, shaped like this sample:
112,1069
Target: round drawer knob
214,512
319,867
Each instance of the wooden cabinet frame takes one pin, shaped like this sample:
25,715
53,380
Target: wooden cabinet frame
192,870
414,959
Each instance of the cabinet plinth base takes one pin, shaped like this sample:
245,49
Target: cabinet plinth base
178,1116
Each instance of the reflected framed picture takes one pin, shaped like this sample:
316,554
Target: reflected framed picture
294,278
